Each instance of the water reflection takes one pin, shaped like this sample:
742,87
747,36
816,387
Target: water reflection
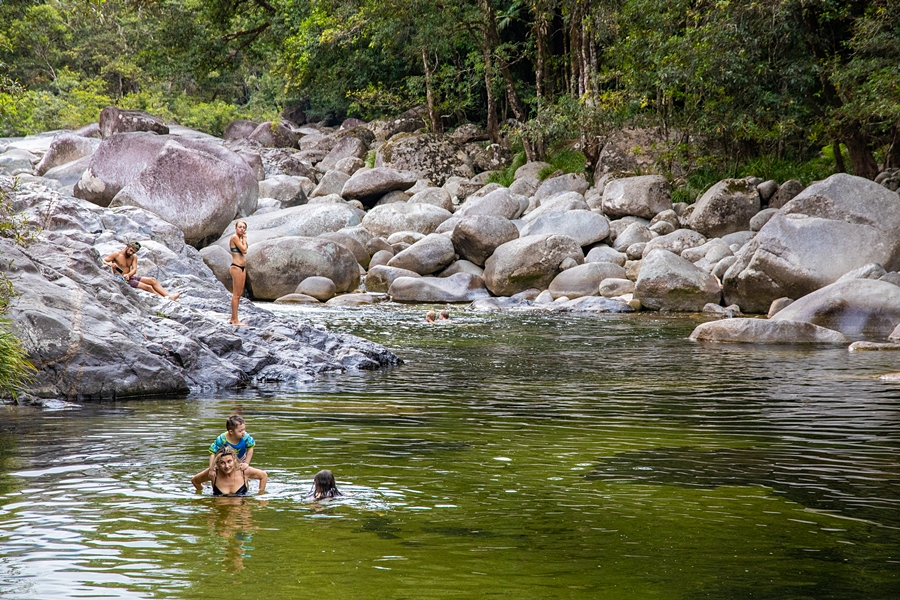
519,456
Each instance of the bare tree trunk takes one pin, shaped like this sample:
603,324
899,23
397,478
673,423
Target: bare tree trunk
838,157
436,125
861,160
493,128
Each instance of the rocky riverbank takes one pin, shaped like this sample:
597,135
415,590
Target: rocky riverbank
421,225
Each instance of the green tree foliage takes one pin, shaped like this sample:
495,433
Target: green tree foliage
724,80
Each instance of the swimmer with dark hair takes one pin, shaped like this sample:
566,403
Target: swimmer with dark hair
324,486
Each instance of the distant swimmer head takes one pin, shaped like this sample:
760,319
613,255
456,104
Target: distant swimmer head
324,486
445,315
430,316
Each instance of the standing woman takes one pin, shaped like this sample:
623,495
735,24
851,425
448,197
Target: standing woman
239,247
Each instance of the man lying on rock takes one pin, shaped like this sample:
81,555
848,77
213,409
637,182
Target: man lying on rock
124,266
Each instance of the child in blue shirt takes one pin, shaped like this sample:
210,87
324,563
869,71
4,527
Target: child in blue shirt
235,436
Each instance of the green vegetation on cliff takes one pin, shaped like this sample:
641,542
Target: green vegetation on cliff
725,82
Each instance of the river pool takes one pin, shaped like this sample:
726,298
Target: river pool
511,456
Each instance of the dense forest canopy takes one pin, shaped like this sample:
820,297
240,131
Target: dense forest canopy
724,80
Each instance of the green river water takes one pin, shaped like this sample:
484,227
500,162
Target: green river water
511,456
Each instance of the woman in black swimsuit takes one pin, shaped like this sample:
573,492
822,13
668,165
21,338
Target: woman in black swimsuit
239,245
229,479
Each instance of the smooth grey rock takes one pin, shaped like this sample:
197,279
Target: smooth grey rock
380,278
408,237
786,192
662,228
635,251
277,266
350,243
65,148
671,283
606,254
560,203
370,185
530,262
274,135
352,300
286,189
462,266
591,305
614,286
676,242
239,129
376,244
725,208
296,299
779,305
476,237
635,233
332,182
869,271
584,280
497,203
643,196
853,307
428,255
434,196
583,226
308,220
530,170
461,287
766,190
93,337
762,331
761,218
116,120
381,258
570,182
194,190
384,220
219,262
351,143
349,165
320,288
70,173
392,197
526,186
831,228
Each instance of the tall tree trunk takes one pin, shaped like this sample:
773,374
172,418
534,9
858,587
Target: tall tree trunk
838,157
861,160
493,128
436,125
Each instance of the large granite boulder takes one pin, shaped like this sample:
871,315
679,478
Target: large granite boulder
17,161
194,190
461,287
563,202
434,196
369,185
116,120
676,242
351,143
530,262
66,147
70,173
570,182
584,280
384,220
92,337
239,129
643,196
762,331
288,190
276,267
274,135
671,283
429,255
117,161
832,227
308,220
380,278
498,203
725,208
852,306
583,226
429,156
476,237
332,182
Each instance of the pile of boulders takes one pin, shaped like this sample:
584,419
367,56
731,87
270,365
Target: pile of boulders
422,224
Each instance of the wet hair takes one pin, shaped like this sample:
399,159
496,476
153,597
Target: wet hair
134,246
233,422
430,315
445,314
324,486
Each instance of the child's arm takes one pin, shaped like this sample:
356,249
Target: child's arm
246,462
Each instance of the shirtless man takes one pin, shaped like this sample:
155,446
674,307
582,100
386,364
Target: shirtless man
124,266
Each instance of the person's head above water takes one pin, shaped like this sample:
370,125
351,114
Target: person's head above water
429,316
445,315
324,485
226,459
235,424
